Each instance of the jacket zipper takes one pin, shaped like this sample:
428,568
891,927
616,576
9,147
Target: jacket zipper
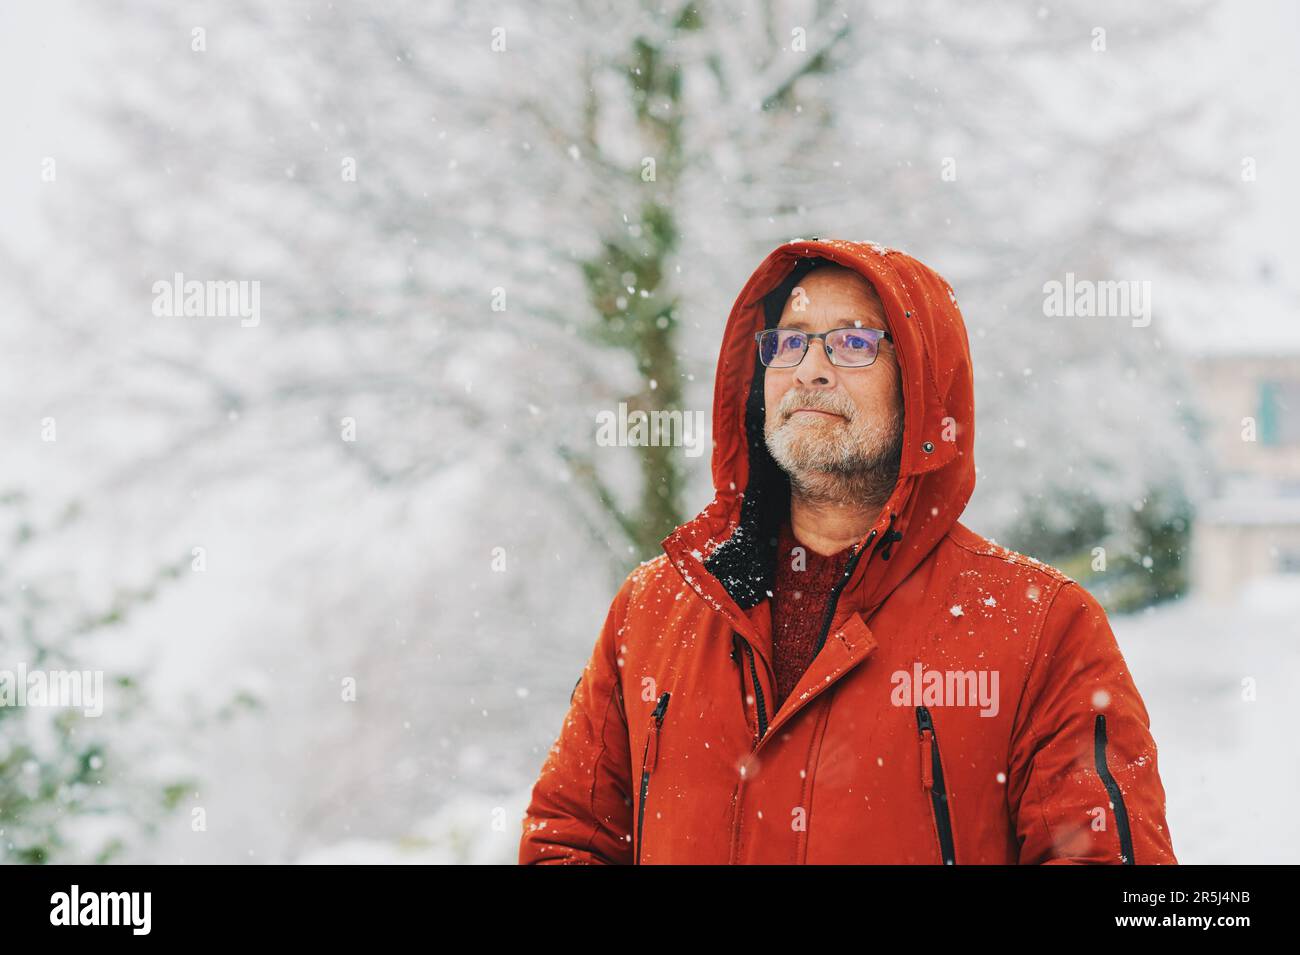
758,693
932,779
648,761
1112,789
839,586
759,703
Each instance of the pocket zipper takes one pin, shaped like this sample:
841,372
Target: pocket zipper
648,761
932,779
1112,789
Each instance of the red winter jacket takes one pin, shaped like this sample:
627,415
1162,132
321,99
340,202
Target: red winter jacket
886,751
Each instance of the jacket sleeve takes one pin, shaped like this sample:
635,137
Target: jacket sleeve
1083,784
580,810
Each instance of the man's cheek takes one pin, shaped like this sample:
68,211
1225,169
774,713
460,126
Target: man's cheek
772,403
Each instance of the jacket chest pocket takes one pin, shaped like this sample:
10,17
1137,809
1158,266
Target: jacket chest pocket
932,782
649,759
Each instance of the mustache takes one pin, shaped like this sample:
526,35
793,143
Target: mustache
816,400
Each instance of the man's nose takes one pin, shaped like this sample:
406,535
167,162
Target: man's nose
816,368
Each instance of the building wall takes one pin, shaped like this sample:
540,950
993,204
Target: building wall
1226,556
1265,388
1252,526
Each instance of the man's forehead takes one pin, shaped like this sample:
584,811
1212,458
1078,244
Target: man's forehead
840,313
833,291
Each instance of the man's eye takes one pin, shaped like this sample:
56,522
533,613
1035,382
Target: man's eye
794,341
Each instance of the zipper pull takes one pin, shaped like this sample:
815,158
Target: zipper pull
657,717
927,760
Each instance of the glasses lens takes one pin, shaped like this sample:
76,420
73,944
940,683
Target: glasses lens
854,347
781,348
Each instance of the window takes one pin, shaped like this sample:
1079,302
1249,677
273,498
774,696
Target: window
1279,413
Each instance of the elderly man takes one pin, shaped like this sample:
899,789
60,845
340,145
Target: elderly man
825,665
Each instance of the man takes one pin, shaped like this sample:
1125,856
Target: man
826,666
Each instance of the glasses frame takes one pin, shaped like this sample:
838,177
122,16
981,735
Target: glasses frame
809,337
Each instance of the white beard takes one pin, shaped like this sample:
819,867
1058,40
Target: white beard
839,462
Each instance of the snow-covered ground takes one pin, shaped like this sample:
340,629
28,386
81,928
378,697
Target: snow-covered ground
472,830
1230,764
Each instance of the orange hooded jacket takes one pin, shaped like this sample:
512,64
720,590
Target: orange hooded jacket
968,704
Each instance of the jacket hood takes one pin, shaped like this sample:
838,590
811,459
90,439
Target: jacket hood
727,552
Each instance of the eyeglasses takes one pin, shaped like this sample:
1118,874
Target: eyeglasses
845,347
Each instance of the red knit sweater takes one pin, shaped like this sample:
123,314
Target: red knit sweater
799,600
